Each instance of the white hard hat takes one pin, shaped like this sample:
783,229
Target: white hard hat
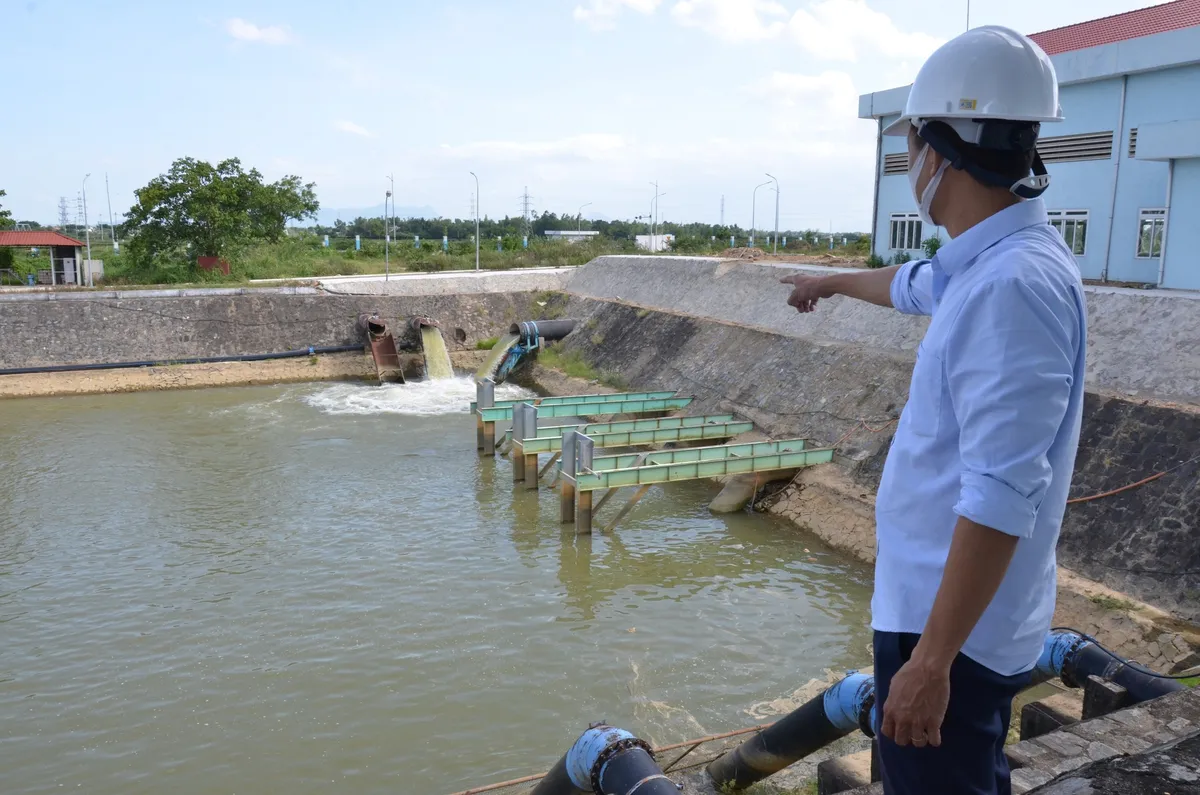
989,73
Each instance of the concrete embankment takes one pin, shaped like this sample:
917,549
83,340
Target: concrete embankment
46,329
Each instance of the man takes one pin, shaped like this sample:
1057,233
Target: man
975,484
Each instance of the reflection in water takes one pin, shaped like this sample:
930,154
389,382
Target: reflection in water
296,589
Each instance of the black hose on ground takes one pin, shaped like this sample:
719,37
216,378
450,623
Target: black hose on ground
247,357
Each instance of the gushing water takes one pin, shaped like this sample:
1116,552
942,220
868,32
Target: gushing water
437,360
492,364
417,398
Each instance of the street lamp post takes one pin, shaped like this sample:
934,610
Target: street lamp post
476,219
579,227
775,242
87,232
754,209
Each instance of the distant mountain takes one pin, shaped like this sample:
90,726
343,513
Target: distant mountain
328,215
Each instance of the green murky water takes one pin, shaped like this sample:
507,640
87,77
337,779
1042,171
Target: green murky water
437,360
323,588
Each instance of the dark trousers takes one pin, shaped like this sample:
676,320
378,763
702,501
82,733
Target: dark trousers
970,760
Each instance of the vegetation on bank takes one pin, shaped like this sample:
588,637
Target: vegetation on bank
573,364
197,220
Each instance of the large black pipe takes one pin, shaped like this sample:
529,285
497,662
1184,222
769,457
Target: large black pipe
838,711
549,330
248,357
606,761
1073,657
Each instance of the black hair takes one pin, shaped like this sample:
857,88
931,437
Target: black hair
1011,164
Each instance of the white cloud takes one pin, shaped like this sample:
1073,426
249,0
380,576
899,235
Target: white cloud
350,127
837,29
602,14
589,146
732,20
242,30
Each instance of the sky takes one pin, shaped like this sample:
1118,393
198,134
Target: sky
580,101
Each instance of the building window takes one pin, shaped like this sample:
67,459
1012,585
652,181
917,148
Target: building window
1072,225
906,232
1152,225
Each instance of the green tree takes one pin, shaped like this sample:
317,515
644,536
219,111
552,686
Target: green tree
6,219
214,210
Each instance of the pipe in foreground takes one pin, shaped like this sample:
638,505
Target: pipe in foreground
1070,656
606,761
842,708
248,357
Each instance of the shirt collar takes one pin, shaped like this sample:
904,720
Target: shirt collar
957,255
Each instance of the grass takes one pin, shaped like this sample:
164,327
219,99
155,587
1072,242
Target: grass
572,363
1111,602
1191,681
487,344
302,256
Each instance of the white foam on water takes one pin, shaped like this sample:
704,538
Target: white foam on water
417,398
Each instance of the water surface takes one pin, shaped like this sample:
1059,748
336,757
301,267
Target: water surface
323,588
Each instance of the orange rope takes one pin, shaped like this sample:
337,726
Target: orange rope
1141,482
862,425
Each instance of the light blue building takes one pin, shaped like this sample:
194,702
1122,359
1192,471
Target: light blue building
1125,164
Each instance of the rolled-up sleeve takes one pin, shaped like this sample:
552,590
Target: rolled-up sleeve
912,288
1009,365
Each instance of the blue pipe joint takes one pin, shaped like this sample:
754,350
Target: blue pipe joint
850,704
587,751
1058,650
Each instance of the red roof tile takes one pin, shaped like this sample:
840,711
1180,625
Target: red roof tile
38,237
1121,27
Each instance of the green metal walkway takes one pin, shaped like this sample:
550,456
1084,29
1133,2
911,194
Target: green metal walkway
583,472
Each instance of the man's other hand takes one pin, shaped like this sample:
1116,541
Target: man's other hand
916,705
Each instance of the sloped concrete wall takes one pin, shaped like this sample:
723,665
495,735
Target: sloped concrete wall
1142,343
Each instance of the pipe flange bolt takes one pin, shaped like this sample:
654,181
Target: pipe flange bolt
611,751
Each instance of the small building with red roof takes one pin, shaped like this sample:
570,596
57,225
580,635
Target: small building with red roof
1123,163
66,254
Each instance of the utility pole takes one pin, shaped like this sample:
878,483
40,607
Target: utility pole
968,14
387,234
754,210
579,228
87,234
63,218
476,220
775,242
112,232
722,209
526,209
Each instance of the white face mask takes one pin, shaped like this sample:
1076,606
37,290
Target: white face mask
925,200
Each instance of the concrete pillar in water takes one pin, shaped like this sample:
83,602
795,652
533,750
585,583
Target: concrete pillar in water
737,492
566,499
531,472
485,398
523,427
583,514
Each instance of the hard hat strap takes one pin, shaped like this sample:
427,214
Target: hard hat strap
1029,187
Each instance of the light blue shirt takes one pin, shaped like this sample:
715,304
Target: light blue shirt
990,429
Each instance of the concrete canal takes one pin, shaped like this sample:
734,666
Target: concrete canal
323,587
